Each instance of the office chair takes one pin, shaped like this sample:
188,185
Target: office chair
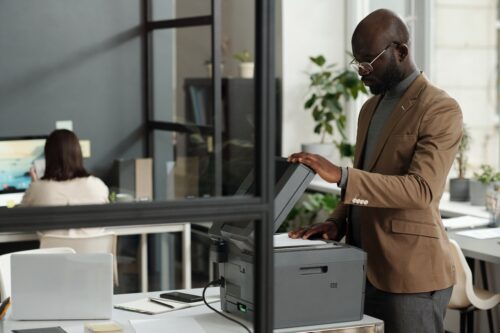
100,242
5,267
466,297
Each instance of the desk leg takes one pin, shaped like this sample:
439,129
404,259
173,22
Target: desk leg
186,255
144,262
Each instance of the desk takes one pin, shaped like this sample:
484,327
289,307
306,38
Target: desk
210,321
482,249
143,231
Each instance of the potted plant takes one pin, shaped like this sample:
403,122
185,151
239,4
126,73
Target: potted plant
246,64
479,185
313,208
459,187
328,89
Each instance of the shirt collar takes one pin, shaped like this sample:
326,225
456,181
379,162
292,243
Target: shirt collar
400,88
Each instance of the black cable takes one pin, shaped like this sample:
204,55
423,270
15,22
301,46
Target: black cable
218,283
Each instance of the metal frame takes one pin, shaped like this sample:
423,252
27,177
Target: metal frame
258,208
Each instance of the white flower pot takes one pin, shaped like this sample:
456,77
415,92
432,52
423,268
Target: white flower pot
246,70
327,150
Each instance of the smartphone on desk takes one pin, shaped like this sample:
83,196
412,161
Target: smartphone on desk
181,297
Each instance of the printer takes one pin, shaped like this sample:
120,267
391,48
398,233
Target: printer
313,284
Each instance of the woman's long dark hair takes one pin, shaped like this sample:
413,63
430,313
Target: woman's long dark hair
63,157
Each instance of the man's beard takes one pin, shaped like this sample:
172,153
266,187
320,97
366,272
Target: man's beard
389,79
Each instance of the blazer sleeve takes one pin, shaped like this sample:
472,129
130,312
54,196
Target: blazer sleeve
439,136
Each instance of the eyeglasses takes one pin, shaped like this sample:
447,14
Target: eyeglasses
365,68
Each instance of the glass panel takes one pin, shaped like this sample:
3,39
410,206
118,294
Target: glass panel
172,9
96,82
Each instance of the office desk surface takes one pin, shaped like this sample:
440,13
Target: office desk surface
482,249
210,321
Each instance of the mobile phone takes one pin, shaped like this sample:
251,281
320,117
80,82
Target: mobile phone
39,166
181,297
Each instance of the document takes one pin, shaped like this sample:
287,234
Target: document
146,306
178,324
466,221
481,233
282,240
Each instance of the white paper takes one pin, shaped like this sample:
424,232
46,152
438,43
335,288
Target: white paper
73,329
282,240
178,324
481,233
464,222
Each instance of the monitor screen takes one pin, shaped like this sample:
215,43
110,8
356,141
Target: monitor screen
17,155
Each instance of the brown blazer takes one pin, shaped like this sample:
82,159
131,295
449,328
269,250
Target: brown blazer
399,193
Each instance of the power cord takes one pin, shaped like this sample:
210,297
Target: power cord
216,283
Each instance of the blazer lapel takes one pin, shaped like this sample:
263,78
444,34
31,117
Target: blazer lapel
364,123
405,104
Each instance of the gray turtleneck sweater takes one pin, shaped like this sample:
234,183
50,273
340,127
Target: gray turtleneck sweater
379,119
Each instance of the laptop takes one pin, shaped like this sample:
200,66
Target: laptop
59,286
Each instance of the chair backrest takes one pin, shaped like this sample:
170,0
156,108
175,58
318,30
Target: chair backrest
5,267
102,242
460,298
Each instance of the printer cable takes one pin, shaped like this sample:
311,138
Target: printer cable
216,283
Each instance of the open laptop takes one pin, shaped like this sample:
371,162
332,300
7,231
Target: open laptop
61,286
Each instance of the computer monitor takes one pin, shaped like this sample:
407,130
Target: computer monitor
16,158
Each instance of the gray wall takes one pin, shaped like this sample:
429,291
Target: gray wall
74,60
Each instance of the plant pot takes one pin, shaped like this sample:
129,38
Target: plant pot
209,69
246,70
327,150
459,189
477,193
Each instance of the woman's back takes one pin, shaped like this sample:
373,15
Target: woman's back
76,191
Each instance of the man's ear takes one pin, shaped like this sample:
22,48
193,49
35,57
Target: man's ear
402,52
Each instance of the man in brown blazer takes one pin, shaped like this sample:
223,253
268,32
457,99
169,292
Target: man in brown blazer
408,135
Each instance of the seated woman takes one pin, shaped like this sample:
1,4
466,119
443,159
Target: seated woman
65,182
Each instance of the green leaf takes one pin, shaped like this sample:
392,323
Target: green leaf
328,128
354,92
317,114
338,107
319,60
310,102
317,128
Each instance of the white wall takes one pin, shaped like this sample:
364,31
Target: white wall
308,30
465,65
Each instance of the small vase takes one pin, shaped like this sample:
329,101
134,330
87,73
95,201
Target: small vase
246,70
